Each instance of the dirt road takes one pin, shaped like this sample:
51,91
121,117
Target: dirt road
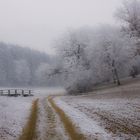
107,114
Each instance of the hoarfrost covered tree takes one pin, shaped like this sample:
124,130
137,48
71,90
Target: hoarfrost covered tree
50,74
3,73
18,65
42,73
22,72
6,64
129,14
72,48
94,56
113,52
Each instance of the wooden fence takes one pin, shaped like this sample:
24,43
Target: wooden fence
16,92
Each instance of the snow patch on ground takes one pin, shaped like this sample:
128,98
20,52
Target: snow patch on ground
87,126
13,114
117,110
14,111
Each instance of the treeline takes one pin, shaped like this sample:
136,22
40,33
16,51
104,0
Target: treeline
19,65
86,57
92,56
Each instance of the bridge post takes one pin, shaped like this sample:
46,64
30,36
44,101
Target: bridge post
9,92
22,92
29,92
15,91
1,92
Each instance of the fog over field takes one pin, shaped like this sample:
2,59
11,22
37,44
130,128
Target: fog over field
94,41
36,23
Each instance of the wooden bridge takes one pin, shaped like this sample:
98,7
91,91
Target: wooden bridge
16,92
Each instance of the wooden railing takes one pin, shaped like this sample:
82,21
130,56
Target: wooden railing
16,92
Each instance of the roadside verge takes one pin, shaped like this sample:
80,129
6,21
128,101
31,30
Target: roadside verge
28,132
68,124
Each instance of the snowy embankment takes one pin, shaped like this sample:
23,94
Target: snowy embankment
13,115
106,114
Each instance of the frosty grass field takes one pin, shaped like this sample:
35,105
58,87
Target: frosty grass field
109,114
14,112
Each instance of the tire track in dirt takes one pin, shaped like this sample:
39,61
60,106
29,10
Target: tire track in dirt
68,124
29,131
49,127
118,126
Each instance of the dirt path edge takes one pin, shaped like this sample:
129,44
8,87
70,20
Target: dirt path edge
73,133
29,131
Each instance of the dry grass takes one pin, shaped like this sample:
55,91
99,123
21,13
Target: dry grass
69,126
28,132
116,125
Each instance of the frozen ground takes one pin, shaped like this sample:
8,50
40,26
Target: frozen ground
14,112
49,126
107,114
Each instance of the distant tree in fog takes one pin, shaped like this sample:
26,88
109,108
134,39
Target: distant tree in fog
22,71
18,65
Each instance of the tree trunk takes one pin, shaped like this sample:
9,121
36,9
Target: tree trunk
117,77
114,80
115,73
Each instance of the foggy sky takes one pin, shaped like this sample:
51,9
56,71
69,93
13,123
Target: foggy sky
36,23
